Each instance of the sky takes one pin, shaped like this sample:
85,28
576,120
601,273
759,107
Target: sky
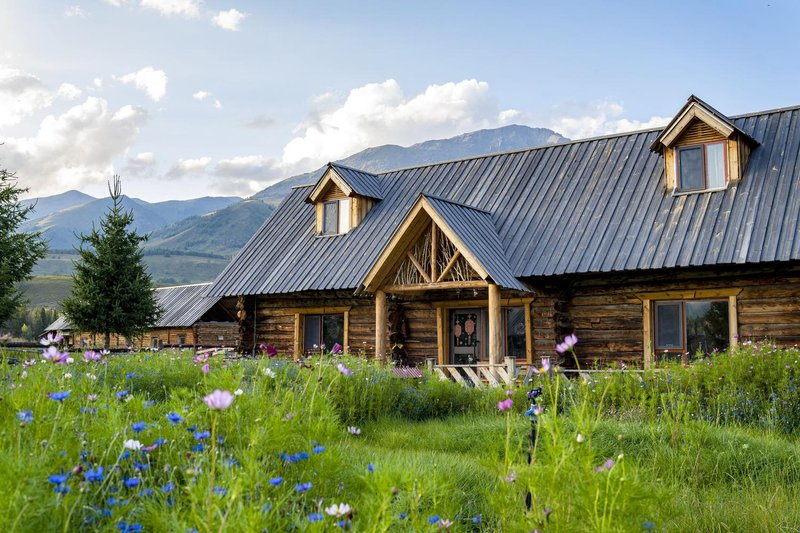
188,98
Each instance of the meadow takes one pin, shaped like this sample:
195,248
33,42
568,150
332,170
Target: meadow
169,441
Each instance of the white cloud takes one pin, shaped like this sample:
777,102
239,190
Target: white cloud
201,95
228,20
217,104
140,165
260,122
73,149
189,166
579,121
380,113
153,82
186,8
75,11
69,91
98,83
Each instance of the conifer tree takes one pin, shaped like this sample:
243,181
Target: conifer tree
19,251
112,292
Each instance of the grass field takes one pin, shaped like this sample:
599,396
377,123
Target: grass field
134,446
46,291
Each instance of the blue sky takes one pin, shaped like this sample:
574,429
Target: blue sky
186,98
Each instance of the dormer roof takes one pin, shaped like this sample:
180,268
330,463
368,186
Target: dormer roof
697,109
351,181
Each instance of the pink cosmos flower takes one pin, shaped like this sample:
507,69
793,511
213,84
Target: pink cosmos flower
337,348
343,369
505,404
52,354
202,358
546,366
91,355
569,341
205,368
51,339
218,400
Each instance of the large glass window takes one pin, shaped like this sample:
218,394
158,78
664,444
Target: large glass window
686,329
322,330
701,167
514,327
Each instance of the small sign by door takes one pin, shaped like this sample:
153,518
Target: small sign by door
466,335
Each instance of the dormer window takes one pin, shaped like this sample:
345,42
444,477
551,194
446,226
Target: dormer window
336,217
702,167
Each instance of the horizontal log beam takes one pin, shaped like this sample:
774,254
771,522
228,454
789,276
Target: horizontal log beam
419,287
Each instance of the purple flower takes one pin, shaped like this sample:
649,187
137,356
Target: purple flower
52,354
505,404
50,339
91,355
337,348
343,369
271,350
569,341
218,400
205,368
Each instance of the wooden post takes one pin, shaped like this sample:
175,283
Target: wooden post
733,321
434,252
381,319
648,337
495,326
430,361
511,369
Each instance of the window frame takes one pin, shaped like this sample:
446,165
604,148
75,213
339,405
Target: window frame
704,145
335,205
505,310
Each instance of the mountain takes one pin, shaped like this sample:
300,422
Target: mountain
227,230
50,204
62,227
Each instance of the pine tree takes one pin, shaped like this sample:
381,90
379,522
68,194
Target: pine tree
112,292
19,251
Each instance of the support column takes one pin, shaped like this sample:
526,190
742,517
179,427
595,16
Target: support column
495,326
381,319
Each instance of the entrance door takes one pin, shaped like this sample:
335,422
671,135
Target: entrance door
466,335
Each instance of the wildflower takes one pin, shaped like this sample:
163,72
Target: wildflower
198,448
505,404
353,430
511,477
130,375
338,510
433,519
477,519
337,348
220,491
271,350
371,467
50,339
200,435
648,526
26,417
121,394
59,396
53,355
302,487
169,487
90,356
201,358
318,449
569,341
205,368
67,376
608,465
276,481
139,426
175,418
443,523
94,475
238,392
579,438
91,376
146,492
131,444
509,393
315,517
343,369
269,373
125,527
92,397
132,482
58,479
218,400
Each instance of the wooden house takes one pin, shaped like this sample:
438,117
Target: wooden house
650,245
189,320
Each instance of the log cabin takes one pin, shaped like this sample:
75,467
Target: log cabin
653,245
189,319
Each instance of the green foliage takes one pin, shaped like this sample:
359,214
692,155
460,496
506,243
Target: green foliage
112,291
19,251
30,323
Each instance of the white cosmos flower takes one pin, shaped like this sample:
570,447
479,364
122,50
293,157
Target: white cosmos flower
131,444
338,510
67,376
238,392
269,373
579,438
353,430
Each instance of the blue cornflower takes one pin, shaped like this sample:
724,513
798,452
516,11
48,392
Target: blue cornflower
121,394
343,524
159,441
477,519
315,517
232,462
145,492
302,487
371,467
648,525
59,396
169,487
276,481
58,479
191,429
175,418
132,482
318,449
403,516
88,410
200,435
267,507
25,416
125,527
198,448
303,455
61,489
139,426
141,466
433,519
94,475
129,375
124,455
220,491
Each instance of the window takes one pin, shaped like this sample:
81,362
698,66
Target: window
155,342
686,328
181,340
319,330
702,167
514,330
336,217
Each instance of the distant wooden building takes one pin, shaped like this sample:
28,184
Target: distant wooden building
651,245
190,319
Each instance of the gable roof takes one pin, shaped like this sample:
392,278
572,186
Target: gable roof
595,205
183,305
470,230
352,182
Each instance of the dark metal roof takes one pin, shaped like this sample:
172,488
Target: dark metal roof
476,230
182,305
362,183
597,205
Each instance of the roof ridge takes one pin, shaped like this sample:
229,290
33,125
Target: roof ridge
186,285
354,169
574,142
459,204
